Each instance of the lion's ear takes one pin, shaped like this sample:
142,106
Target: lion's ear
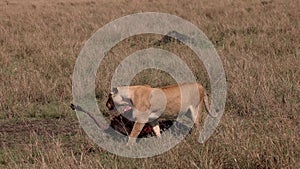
115,90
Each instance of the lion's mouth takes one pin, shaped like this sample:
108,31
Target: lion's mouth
127,108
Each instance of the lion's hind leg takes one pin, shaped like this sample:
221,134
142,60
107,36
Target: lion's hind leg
196,115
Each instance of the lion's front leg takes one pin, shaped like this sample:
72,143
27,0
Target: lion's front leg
156,130
137,128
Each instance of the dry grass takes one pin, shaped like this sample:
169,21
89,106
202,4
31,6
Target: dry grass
258,42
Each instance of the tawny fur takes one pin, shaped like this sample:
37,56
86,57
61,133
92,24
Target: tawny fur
151,103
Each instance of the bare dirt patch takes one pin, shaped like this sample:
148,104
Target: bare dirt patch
14,132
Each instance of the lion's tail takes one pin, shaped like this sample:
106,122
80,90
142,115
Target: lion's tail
206,103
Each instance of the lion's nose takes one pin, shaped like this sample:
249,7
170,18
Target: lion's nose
109,106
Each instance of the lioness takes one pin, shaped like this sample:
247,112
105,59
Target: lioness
150,103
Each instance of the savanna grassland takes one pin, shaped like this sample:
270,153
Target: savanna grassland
258,42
